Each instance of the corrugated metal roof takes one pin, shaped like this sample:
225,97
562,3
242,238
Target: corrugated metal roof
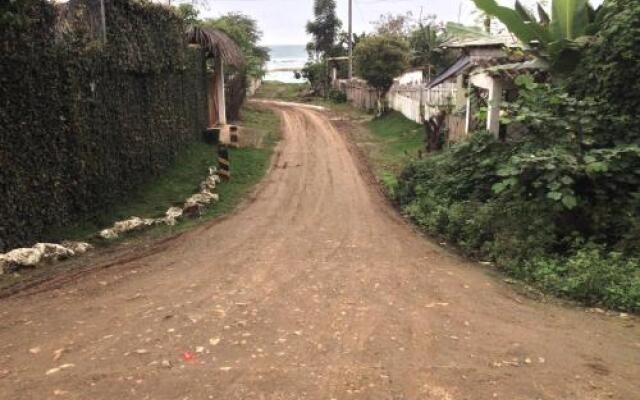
489,41
512,70
460,65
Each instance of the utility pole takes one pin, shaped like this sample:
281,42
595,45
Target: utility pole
350,39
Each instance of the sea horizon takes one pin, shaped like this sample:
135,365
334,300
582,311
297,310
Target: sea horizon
285,59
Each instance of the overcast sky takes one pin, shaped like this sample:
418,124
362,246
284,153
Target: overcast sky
283,21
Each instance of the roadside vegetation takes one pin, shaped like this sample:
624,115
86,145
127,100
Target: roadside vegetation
283,91
395,142
558,207
179,181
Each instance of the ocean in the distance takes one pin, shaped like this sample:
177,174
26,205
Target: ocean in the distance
285,56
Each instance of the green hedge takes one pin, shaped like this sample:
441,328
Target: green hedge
82,122
609,69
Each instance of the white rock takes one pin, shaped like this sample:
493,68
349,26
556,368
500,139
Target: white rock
108,234
132,224
24,257
208,184
203,197
77,247
171,216
53,252
174,212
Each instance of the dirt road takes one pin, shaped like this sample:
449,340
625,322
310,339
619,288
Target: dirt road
314,290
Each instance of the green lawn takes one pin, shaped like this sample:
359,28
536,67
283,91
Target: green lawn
248,166
394,141
282,91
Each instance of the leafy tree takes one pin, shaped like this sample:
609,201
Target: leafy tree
555,40
379,59
425,42
399,25
245,32
328,41
188,13
324,27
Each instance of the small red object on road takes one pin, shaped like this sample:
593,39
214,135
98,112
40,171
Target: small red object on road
188,356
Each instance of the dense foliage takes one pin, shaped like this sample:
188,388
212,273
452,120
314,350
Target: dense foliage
324,27
379,59
558,206
83,121
423,36
317,73
425,42
327,42
398,25
609,68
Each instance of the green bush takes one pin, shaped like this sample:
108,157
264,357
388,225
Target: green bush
591,275
337,96
556,207
317,75
609,67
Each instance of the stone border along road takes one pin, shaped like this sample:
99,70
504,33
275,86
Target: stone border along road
315,289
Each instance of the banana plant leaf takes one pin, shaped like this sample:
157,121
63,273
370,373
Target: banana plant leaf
529,32
463,31
544,17
569,19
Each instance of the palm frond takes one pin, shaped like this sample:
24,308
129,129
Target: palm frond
217,44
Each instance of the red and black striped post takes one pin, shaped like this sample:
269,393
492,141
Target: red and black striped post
223,163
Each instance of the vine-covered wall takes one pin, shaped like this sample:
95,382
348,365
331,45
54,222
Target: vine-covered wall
83,122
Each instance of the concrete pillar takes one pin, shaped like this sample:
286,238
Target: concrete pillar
460,99
222,109
493,112
467,119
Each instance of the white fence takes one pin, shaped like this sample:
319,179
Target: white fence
410,99
254,85
358,93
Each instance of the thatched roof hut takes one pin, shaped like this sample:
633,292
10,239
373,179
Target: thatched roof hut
217,44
